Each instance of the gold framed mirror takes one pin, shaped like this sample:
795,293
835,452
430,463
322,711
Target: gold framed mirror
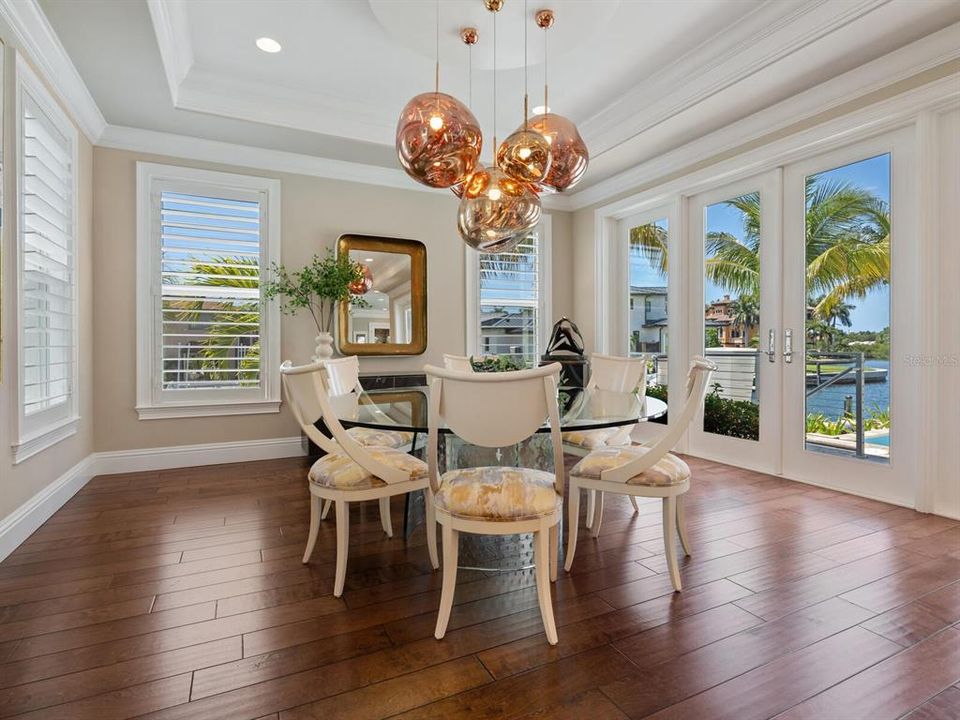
392,320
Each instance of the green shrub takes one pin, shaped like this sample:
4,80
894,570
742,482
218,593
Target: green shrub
722,416
497,363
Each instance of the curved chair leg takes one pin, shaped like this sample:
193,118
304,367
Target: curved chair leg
385,520
573,520
326,509
633,501
591,500
542,570
682,525
451,541
314,526
554,551
597,515
431,528
343,540
670,539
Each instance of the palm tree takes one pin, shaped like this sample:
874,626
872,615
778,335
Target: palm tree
650,242
838,314
232,319
745,311
847,245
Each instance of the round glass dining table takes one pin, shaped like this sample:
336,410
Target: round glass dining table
407,409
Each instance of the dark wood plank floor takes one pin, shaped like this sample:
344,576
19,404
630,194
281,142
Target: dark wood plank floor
180,594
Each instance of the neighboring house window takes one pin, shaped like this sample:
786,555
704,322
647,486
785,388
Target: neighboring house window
508,299
207,343
46,269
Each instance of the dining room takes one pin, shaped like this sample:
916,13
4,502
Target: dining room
479,358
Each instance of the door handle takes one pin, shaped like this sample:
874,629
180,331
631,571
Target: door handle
788,346
771,350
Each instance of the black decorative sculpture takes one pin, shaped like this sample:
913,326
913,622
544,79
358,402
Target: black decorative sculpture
566,348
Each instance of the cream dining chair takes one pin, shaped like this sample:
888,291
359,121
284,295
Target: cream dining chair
494,410
349,472
343,376
616,374
641,471
460,363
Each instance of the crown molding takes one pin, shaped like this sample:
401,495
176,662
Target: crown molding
171,26
765,36
930,52
39,42
151,142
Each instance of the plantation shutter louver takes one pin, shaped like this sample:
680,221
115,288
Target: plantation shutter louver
510,288
47,265
210,313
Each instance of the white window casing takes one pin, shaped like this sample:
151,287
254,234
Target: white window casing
519,281
207,342
46,268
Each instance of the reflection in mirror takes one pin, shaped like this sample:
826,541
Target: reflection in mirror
392,318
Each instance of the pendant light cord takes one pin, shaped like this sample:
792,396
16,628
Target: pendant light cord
436,77
526,95
494,88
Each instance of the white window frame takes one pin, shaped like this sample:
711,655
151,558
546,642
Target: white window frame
153,402
44,429
545,291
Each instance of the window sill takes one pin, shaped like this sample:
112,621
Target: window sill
48,438
165,412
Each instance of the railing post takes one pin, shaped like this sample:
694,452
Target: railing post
860,440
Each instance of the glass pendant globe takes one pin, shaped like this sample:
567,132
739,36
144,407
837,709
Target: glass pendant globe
438,140
364,284
496,211
569,154
525,155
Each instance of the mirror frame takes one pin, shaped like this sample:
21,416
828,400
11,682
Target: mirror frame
418,296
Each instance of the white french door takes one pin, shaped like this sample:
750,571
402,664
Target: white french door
851,407
734,301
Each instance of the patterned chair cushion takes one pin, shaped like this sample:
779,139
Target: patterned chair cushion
669,470
602,437
498,493
341,472
382,437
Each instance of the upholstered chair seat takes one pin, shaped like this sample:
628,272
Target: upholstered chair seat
498,493
340,471
602,437
668,470
380,437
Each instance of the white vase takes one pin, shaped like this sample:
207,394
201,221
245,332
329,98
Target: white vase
324,349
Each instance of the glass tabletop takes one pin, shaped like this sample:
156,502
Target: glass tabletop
407,409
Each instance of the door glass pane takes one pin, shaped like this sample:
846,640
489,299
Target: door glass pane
847,332
648,329
732,315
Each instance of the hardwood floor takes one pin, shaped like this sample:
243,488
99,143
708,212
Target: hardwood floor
180,594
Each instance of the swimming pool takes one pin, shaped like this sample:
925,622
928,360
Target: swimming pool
882,438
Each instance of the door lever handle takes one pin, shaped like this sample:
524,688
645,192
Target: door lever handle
771,350
788,346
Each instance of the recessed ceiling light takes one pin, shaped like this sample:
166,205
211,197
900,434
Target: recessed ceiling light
368,260
269,45
540,110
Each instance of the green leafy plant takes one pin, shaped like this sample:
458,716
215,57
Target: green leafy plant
319,287
733,418
497,363
878,418
823,425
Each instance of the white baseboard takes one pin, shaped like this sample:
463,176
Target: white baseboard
22,522
165,458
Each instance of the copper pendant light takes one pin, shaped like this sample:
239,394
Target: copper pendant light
525,154
570,156
438,140
497,211
364,284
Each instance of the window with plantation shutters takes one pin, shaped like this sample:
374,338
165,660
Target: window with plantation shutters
47,305
208,341
508,300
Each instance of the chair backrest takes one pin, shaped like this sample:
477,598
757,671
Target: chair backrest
698,379
343,374
494,409
619,374
460,363
307,391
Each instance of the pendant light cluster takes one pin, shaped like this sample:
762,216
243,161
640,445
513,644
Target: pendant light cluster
439,142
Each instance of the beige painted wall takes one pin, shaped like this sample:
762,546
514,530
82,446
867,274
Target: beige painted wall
315,212
18,483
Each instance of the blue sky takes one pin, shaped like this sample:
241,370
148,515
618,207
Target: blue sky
871,313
